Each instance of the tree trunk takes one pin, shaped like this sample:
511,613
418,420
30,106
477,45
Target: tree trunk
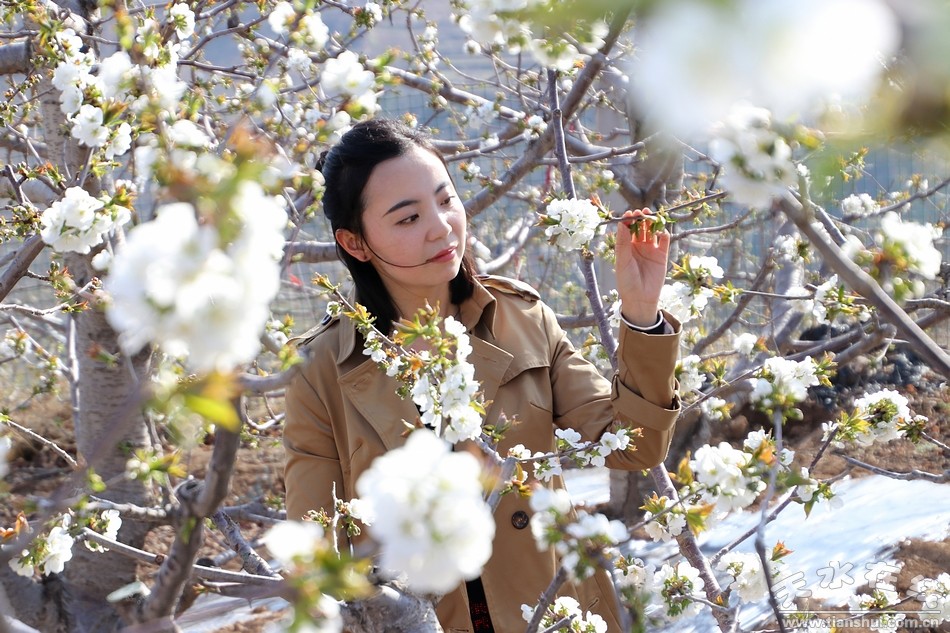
108,424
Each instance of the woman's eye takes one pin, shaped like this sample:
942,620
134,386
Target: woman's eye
408,220
448,201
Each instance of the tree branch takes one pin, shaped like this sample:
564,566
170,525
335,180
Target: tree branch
311,252
863,284
15,270
905,476
15,58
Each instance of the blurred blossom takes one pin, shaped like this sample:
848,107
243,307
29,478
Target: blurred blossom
6,444
859,205
292,542
787,248
756,160
177,285
374,11
431,521
748,580
507,24
745,343
715,409
186,133
345,76
914,240
934,594
698,58
281,17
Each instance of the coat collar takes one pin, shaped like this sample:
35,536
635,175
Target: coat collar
477,313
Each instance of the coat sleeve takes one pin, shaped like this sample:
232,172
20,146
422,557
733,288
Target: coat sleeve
641,395
313,463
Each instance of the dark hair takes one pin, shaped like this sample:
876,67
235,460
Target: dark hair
346,169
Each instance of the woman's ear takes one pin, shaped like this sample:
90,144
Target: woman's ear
352,244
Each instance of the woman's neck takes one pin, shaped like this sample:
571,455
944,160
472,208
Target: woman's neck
409,303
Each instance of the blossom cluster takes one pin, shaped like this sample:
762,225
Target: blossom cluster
571,224
831,300
880,416
882,596
577,539
934,593
88,100
859,205
503,24
729,475
431,520
77,222
756,159
902,248
781,383
298,547
194,289
566,608
442,382
49,554
721,479
689,372
748,578
694,279
676,588
583,453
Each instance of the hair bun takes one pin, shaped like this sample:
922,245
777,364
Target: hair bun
321,160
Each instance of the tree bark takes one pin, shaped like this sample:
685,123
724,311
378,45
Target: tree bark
108,423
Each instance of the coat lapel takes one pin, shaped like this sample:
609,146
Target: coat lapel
491,363
373,394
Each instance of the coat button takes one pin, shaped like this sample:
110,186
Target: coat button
519,519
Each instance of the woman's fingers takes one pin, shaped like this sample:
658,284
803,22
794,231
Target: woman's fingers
636,231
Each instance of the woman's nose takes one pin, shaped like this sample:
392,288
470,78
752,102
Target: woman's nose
439,226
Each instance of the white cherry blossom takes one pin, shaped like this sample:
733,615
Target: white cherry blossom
431,521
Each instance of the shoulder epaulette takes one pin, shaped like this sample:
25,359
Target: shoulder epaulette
314,332
510,286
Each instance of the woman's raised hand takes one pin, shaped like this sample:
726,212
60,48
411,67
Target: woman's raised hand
641,267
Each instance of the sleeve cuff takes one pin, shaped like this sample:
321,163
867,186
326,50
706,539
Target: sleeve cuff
660,327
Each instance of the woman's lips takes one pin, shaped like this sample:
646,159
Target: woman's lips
443,256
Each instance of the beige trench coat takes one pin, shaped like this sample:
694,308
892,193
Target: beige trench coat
343,412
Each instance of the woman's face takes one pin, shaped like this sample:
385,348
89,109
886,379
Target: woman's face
413,224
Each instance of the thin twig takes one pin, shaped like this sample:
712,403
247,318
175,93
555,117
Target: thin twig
40,439
902,476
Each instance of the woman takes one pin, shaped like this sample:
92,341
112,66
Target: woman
400,228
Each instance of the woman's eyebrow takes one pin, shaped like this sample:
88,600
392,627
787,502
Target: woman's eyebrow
405,203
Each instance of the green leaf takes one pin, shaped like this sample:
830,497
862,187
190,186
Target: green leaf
221,412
